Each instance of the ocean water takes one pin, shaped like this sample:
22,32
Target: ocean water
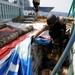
46,13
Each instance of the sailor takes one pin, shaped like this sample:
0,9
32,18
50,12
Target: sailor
56,27
36,4
57,32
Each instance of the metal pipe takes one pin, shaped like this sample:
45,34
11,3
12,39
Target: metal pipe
65,53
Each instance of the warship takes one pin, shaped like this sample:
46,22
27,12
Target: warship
18,55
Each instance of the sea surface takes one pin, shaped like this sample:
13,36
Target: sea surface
46,13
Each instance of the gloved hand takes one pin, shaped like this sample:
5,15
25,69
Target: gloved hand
32,40
41,41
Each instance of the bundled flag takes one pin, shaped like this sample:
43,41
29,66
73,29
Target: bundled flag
19,62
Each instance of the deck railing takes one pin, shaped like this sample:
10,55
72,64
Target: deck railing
10,10
71,61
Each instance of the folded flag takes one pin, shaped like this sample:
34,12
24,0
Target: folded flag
19,62
42,41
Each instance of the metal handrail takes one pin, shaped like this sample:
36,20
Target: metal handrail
10,10
8,3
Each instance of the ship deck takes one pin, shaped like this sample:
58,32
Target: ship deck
38,25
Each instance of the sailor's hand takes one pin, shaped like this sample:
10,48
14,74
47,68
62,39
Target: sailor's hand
32,40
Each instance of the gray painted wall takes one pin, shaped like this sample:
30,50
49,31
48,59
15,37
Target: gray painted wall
26,3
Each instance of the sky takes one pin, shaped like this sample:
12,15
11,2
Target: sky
11,1
60,5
